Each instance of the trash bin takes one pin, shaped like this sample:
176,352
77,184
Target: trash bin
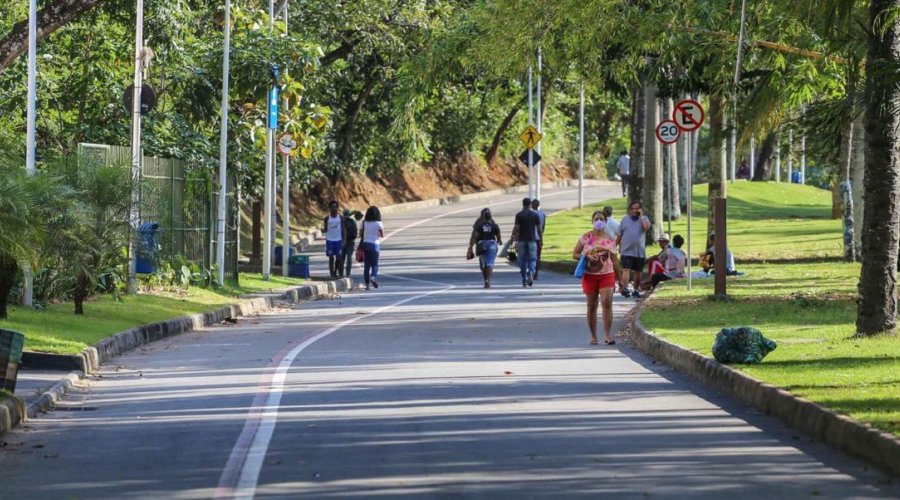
11,344
279,250
147,248
298,266
796,177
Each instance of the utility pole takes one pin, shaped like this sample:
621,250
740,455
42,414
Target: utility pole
134,211
777,157
530,150
581,148
28,291
223,151
540,128
268,184
803,159
752,157
286,188
737,76
790,165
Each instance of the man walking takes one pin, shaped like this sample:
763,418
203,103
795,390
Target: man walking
612,225
623,164
542,217
350,232
333,227
526,233
632,233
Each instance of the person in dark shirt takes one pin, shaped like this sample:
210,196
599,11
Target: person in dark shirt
485,240
526,233
351,231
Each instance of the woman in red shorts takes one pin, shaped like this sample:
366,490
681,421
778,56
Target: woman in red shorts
599,279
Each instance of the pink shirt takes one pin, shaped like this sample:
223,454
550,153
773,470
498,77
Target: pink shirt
598,250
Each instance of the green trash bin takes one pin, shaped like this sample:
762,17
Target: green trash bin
11,344
298,266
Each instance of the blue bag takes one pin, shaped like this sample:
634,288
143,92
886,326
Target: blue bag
579,269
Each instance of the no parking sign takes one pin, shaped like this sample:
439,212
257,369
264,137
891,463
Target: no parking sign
688,115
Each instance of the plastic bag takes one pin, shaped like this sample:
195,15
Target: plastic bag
579,269
742,344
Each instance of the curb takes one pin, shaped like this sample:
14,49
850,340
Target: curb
838,431
14,410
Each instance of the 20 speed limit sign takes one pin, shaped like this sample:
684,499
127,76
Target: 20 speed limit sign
667,132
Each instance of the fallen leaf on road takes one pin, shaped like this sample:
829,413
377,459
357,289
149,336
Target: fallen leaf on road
507,372
362,311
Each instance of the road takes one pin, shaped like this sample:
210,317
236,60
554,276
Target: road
430,387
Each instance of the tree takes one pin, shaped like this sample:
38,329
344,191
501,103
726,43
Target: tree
877,310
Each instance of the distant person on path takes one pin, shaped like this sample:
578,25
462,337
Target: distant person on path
599,280
744,170
526,233
485,240
623,164
612,225
542,216
333,227
632,235
351,231
372,232
675,262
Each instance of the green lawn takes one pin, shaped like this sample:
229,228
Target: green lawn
806,306
56,329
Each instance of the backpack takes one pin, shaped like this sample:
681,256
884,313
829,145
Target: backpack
350,229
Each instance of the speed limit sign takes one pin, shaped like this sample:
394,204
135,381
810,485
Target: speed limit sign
667,132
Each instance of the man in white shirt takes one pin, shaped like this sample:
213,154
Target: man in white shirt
612,225
623,164
333,227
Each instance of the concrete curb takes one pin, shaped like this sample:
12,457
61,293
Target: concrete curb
838,431
14,410
12,413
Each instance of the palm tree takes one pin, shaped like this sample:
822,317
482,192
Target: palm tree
877,310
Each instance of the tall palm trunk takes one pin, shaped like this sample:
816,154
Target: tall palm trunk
877,310
636,176
653,172
672,179
717,164
857,172
8,269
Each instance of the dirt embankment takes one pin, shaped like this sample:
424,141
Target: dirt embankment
443,177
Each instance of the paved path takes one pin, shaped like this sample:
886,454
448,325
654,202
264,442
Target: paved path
429,387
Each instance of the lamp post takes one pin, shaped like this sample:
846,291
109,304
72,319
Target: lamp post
28,291
223,150
134,210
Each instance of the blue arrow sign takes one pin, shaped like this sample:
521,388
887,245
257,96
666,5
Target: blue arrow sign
273,108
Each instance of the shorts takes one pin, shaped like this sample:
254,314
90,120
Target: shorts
489,256
334,248
593,283
633,263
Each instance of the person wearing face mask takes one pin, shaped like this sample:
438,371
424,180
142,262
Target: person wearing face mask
599,280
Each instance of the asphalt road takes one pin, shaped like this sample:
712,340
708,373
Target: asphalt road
430,387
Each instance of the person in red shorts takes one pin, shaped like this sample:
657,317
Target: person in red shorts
599,280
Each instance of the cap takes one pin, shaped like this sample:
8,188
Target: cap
664,237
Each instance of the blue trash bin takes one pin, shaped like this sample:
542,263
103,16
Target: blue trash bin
279,251
298,266
796,177
147,248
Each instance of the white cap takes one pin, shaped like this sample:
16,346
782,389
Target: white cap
664,237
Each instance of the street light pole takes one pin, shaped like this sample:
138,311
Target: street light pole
269,177
223,151
28,291
581,147
134,211
286,189
530,150
540,128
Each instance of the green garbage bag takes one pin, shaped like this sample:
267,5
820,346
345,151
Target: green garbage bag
742,344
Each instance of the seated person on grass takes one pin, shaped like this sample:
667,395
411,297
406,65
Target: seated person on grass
657,263
708,258
675,262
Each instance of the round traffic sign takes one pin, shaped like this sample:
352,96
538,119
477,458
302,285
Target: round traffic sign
667,132
286,144
688,115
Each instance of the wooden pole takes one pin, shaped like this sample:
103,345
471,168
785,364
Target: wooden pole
720,246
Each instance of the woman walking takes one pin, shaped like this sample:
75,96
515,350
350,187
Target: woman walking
485,238
372,233
599,278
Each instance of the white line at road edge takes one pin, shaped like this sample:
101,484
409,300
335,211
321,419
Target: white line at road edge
241,474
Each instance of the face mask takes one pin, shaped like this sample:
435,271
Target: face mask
635,217
599,225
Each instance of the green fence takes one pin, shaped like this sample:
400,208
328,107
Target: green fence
183,205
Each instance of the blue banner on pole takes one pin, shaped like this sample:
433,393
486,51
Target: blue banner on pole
273,108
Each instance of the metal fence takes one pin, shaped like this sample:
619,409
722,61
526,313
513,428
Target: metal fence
183,205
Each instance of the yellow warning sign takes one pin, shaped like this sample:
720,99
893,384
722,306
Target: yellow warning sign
530,137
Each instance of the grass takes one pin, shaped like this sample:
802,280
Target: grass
796,291
57,330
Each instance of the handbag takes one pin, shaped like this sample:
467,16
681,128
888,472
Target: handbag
479,248
579,269
360,254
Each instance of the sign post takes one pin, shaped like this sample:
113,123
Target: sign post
689,116
667,132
